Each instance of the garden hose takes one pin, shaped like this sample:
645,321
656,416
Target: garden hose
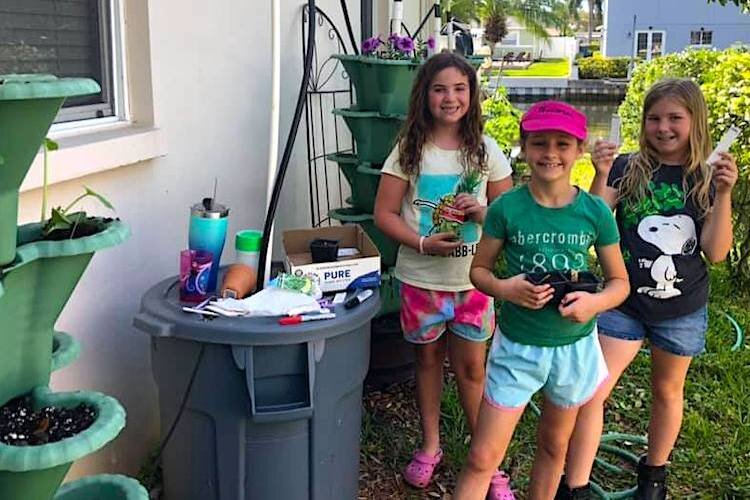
633,438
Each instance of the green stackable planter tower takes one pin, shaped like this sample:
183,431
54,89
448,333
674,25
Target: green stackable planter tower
37,278
382,88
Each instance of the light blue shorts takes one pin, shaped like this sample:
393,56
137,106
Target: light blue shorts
570,374
681,336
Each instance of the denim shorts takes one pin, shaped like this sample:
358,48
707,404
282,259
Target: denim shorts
427,314
681,336
569,374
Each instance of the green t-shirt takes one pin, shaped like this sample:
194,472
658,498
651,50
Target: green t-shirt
541,239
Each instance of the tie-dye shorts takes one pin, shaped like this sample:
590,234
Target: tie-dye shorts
426,314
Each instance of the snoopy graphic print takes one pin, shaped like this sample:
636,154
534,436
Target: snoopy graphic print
672,235
660,236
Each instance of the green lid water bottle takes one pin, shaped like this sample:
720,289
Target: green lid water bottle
247,247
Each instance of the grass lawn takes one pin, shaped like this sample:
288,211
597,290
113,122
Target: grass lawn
711,459
559,68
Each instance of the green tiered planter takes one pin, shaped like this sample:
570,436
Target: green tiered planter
102,487
476,61
362,178
390,293
36,280
387,247
65,350
374,134
28,104
33,292
381,85
35,472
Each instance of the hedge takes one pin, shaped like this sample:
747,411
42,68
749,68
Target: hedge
598,67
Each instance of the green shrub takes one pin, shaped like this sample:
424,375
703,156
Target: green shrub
597,67
502,120
724,77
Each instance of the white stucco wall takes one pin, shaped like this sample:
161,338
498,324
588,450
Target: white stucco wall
210,65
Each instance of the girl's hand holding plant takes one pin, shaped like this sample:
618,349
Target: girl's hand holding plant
725,173
441,244
470,206
579,307
524,293
603,155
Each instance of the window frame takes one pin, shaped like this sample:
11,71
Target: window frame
649,43
702,33
111,21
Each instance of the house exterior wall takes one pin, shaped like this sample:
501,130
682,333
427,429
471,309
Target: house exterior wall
210,76
677,18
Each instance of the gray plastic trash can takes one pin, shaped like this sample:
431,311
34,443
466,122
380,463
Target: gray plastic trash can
274,411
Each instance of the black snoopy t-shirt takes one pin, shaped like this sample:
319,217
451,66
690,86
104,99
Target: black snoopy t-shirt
660,240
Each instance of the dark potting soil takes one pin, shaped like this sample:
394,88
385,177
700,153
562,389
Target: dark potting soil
20,425
87,227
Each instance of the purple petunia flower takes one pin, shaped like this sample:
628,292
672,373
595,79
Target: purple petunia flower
393,39
431,43
405,44
370,45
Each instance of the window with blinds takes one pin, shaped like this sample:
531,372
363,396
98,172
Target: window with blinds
67,38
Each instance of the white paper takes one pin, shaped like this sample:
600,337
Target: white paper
724,144
268,302
614,130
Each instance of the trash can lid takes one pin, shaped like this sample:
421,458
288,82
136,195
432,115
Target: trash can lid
161,315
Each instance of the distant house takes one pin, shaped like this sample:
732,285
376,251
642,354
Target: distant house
519,41
651,28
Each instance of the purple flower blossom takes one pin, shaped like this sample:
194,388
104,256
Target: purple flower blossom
370,45
393,39
405,44
431,43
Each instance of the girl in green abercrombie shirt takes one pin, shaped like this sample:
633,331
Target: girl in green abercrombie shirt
546,336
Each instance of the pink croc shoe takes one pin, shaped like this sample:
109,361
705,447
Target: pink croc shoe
500,487
419,471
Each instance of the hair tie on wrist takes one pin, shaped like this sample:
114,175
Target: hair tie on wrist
421,245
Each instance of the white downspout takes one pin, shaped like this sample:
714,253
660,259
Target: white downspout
273,146
437,23
397,16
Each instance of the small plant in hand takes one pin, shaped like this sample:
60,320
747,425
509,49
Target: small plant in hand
62,223
397,47
20,425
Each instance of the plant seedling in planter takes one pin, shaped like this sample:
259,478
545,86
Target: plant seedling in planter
65,225
62,223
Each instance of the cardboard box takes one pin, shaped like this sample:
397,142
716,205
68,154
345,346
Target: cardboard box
360,271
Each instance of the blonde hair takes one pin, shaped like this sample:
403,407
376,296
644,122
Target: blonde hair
696,178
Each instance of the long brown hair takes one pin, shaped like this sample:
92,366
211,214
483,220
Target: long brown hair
696,178
419,122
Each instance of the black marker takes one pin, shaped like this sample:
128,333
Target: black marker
358,299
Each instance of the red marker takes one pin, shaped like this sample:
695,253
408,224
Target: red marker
293,320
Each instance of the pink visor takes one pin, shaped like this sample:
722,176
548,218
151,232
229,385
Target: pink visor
554,116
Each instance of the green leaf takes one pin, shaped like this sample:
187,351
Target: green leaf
57,220
102,199
50,145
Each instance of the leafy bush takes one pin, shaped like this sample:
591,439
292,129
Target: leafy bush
724,77
502,120
603,67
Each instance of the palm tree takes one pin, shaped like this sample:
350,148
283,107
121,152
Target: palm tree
566,13
595,15
535,15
